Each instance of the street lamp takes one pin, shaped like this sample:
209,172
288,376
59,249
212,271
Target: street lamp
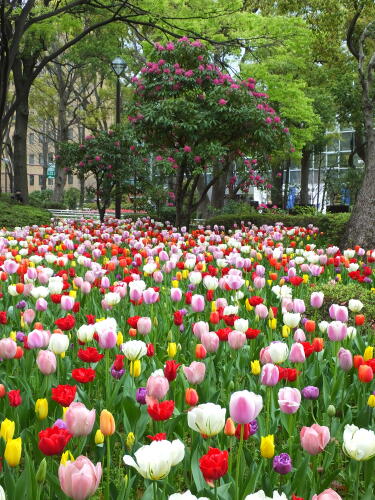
118,67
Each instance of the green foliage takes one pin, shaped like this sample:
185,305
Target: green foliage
71,197
331,226
40,198
341,293
14,214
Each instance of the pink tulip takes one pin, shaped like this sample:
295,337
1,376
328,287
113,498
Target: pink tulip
236,339
176,294
29,316
345,359
315,438
199,328
89,276
289,399
79,420
78,281
8,348
316,299
299,306
158,276
36,339
297,353
135,294
245,406
269,375
157,386
32,273
46,361
299,335
105,283
234,282
197,303
265,356
85,287
342,314
328,494
107,339
41,304
10,266
144,325
261,311
221,302
150,296
259,282
210,341
67,303
80,479
332,311
195,372
337,331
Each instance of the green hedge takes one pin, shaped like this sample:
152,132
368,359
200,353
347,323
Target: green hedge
14,214
331,225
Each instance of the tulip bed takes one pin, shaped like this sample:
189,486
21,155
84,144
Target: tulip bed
142,362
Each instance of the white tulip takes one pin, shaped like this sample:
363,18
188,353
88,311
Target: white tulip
210,282
187,495
260,495
55,285
359,444
241,324
355,305
58,343
108,324
2,493
278,352
154,461
323,325
40,291
207,418
85,333
112,298
291,319
195,277
134,349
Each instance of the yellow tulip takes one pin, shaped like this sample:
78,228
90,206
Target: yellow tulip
185,273
41,408
369,353
135,368
18,258
12,335
99,437
172,349
255,367
248,306
371,401
7,429
272,323
285,331
66,456
120,338
73,294
12,452
73,263
174,283
213,306
130,440
65,409
305,278
267,446
107,423
269,282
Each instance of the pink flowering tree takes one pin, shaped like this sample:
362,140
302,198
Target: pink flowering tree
108,156
196,119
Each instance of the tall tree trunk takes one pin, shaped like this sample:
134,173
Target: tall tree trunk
203,206
277,188
45,155
20,146
81,191
218,191
179,194
286,182
305,171
360,229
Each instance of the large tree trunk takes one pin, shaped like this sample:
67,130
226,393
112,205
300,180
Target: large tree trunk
360,230
203,206
20,146
305,171
218,191
277,188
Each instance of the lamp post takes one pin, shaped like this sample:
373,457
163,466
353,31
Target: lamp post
118,67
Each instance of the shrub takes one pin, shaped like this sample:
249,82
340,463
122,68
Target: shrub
39,198
13,214
331,225
71,198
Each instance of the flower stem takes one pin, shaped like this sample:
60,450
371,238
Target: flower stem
106,377
155,488
356,483
239,455
108,467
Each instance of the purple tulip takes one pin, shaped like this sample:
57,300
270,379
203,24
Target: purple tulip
345,359
310,392
282,464
140,395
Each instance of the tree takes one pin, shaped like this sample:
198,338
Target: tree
195,118
109,156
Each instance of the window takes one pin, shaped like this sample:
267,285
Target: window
346,141
70,178
31,159
31,138
41,138
31,177
50,182
70,133
50,157
41,162
40,179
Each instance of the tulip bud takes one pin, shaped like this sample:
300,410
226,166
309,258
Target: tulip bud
2,391
40,475
267,446
135,368
229,428
191,397
231,386
371,401
285,331
107,423
99,437
120,338
331,411
200,351
255,367
130,440
66,456
12,452
41,408
172,349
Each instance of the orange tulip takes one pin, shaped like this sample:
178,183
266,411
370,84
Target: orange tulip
107,423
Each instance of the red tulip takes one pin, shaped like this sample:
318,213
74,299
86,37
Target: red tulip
365,374
53,440
64,394
161,411
14,398
214,464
